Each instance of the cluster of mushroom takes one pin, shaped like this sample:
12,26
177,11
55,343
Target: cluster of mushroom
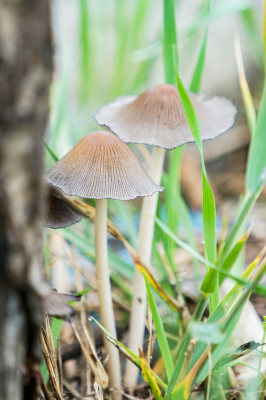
102,166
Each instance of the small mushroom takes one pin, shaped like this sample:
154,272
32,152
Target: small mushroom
101,166
157,118
57,212
56,304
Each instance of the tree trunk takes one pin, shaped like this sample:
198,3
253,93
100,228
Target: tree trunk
25,74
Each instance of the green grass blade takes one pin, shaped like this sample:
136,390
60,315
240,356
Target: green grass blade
122,44
247,204
108,334
148,377
228,308
209,210
195,83
141,14
232,257
84,50
256,159
159,329
259,288
246,95
183,347
197,75
170,54
50,151
172,193
220,348
249,18
190,114
170,57
176,210
132,355
256,167
230,322
209,220
227,264
231,358
225,305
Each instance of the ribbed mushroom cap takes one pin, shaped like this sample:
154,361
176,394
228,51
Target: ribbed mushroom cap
57,212
156,117
102,166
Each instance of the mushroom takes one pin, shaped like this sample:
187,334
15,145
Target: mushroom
101,166
57,211
57,304
157,118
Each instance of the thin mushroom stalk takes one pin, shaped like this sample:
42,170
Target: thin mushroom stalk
139,302
105,295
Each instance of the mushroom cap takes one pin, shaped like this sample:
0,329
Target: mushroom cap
56,304
157,118
102,166
57,212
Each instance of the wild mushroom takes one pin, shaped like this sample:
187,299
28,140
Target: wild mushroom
157,118
101,166
57,304
57,211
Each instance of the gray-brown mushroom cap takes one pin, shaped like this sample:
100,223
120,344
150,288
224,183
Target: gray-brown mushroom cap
102,166
57,212
157,118
56,304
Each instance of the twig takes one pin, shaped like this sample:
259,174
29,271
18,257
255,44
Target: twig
99,373
60,366
50,357
72,390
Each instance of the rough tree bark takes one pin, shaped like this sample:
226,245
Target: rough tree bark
25,73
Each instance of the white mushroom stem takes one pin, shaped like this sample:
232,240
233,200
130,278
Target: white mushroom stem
105,296
138,309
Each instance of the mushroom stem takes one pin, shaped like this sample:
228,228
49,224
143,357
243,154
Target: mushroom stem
105,296
138,309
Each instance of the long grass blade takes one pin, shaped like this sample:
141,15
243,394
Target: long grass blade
248,102
247,204
84,50
230,322
227,264
225,305
134,358
148,377
256,167
259,288
183,347
159,329
195,83
209,211
170,54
